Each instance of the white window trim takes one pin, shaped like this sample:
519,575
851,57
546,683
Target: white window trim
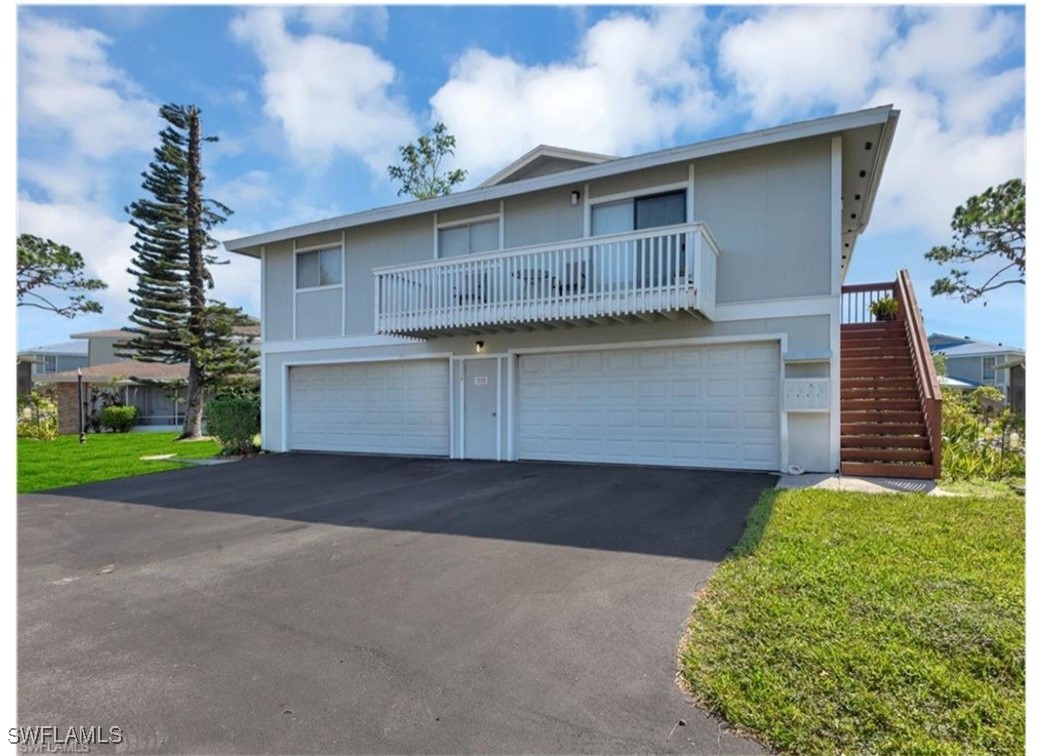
469,221
296,291
499,216
648,191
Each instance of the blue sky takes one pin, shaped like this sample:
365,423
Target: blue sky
311,102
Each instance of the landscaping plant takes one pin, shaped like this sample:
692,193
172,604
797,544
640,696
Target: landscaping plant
234,421
119,419
37,416
885,308
980,441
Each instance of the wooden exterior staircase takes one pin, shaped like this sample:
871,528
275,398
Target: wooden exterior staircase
890,400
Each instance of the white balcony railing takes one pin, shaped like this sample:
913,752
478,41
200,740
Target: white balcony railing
666,270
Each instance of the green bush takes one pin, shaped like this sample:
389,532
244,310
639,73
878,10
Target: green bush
234,421
37,417
119,419
980,442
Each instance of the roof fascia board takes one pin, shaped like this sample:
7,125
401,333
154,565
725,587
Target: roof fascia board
543,151
791,132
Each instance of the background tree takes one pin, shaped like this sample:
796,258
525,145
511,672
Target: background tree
172,321
44,264
420,172
990,226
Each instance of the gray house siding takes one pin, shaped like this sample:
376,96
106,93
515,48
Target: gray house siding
769,210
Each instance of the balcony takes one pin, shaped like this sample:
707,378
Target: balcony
666,272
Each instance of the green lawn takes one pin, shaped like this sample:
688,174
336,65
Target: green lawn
65,462
858,623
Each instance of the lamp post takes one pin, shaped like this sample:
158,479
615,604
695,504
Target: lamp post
79,381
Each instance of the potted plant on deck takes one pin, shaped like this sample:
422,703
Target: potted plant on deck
884,309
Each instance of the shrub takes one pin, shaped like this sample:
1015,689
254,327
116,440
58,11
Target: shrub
37,417
234,421
119,419
979,441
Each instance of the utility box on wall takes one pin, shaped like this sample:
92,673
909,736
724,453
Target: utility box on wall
806,395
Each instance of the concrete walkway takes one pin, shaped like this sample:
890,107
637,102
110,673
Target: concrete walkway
837,482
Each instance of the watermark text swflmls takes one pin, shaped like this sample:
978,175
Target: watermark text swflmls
54,739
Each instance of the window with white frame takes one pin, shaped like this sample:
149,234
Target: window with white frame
50,363
637,213
989,369
470,238
319,267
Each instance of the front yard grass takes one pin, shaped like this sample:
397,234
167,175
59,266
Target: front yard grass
862,623
64,462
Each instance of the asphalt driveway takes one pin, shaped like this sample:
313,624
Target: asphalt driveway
325,603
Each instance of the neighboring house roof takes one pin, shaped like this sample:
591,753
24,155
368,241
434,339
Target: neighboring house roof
129,372
73,348
867,135
543,155
109,333
976,349
251,329
947,381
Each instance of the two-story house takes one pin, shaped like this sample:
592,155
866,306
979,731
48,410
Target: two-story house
156,389
982,363
49,358
680,307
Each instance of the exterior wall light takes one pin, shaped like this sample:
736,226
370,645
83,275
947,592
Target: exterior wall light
574,197
479,347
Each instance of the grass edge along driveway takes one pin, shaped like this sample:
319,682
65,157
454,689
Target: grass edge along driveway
867,623
44,465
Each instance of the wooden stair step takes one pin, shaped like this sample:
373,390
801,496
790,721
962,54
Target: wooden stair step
880,417
873,370
882,429
879,393
878,360
878,404
879,384
884,442
872,350
886,455
888,470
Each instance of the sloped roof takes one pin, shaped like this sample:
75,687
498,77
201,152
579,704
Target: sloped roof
947,381
976,349
541,157
74,348
252,328
127,371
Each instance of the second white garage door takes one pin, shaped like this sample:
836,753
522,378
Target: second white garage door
397,407
696,406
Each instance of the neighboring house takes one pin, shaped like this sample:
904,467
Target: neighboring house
681,307
1016,392
977,363
51,358
156,389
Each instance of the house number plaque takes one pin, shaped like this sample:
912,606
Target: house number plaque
480,380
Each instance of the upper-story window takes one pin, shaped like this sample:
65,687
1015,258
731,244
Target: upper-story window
50,363
989,369
320,267
470,238
637,213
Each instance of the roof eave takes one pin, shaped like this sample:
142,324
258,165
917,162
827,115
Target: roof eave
249,245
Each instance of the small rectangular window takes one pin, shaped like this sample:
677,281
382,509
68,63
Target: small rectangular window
322,267
50,364
989,369
470,239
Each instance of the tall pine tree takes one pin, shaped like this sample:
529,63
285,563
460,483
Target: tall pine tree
171,320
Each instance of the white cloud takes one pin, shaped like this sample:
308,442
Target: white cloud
330,96
633,84
67,84
933,64
793,60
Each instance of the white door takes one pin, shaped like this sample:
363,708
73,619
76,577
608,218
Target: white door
397,407
694,406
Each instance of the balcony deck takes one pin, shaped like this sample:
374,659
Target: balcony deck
665,272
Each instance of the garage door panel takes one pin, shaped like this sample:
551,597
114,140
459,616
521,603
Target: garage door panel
395,407
706,406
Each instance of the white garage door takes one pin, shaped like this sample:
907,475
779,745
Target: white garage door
397,407
697,406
